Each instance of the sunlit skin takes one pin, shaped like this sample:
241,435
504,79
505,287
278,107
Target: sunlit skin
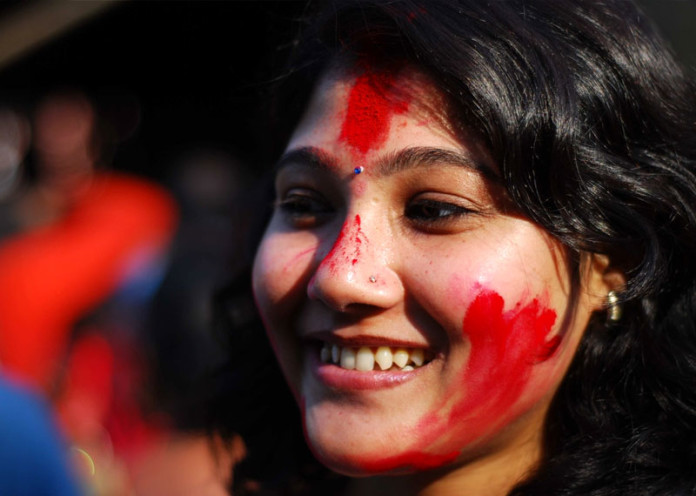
422,249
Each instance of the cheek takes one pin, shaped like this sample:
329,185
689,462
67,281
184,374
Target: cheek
279,282
280,266
504,347
489,388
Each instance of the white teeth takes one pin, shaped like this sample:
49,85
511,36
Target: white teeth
347,358
417,357
365,359
383,357
401,357
325,354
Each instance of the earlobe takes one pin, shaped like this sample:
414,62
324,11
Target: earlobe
601,278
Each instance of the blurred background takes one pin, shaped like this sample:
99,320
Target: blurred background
127,130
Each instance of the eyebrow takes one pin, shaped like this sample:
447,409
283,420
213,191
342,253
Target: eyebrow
391,163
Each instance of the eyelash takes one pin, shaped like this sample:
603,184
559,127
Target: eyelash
307,210
432,214
303,210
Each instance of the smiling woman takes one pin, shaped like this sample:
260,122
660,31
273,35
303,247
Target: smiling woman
464,287
470,196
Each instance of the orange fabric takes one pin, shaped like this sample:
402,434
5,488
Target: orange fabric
52,276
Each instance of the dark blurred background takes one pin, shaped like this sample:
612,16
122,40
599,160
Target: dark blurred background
170,75
187,73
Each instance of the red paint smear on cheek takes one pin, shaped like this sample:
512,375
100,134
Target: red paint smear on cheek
371,106
292,265
505,346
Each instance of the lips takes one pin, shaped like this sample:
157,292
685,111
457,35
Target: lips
361,364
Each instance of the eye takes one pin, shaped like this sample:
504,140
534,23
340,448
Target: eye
303,208
434,215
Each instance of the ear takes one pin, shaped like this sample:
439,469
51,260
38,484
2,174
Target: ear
599,277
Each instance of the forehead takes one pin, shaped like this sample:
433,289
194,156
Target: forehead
363,113
364,100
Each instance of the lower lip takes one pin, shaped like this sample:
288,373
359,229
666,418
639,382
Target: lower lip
336,377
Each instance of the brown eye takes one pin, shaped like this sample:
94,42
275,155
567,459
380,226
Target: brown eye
304,209
430,211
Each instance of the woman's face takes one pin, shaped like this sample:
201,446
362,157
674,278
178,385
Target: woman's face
419,319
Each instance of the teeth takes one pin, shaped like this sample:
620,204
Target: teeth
417,357
367,359
348,358
325,354
384,357
401,357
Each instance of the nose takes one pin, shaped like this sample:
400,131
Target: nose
355,272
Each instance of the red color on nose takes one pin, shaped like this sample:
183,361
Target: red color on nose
347,247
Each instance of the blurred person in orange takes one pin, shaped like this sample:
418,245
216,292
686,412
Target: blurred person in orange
89,231
84,234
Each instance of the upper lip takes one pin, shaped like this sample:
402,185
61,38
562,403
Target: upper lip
343,338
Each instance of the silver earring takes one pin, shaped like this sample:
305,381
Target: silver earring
614,309
373,279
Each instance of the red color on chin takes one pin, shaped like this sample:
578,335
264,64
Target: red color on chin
371,106
415,460
505,346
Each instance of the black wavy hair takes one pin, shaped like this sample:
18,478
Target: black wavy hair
593,125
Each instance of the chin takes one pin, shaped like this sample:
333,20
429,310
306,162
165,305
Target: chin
338,441
358,463
365,447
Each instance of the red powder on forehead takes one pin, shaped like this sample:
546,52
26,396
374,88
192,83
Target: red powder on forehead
372,104
505,346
